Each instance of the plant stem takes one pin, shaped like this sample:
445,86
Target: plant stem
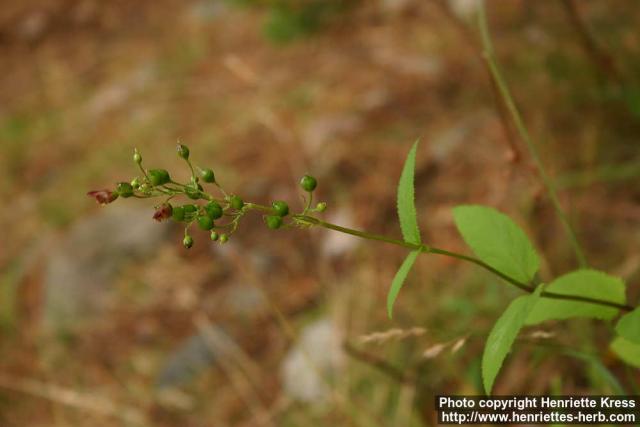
313,221
524,133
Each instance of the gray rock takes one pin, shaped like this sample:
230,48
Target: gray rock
314,361
192,357
81,267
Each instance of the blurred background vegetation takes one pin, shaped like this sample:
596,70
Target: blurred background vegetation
107,320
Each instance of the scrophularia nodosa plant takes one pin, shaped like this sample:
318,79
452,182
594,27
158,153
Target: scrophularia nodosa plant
500,246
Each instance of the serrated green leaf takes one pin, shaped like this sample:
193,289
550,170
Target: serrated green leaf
406,199
626,350
586,283
628,326
399,279
497,240
503,335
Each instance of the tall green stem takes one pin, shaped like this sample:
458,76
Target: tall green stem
524,133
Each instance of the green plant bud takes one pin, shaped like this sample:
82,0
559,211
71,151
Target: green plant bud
308,183
321,207
214,209
280,208
208,176
192,193
187,241
137,157
177,214
205,222
158,177
144,188
223,238
273,221
236,202
183,151
124,189
135,183
214,236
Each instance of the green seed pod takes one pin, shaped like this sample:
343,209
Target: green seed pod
280,208
223,238
158,177
177,214
183,151
192,193
205,222
308,183
187,241
321,207
137,157
135,183
273,221
208,175
236,202
189,209
214,236
124,189
214,209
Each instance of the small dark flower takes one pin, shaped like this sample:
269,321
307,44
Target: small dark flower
103,196
163,212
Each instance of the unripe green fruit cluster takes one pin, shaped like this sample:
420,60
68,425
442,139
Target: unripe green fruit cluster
158,183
